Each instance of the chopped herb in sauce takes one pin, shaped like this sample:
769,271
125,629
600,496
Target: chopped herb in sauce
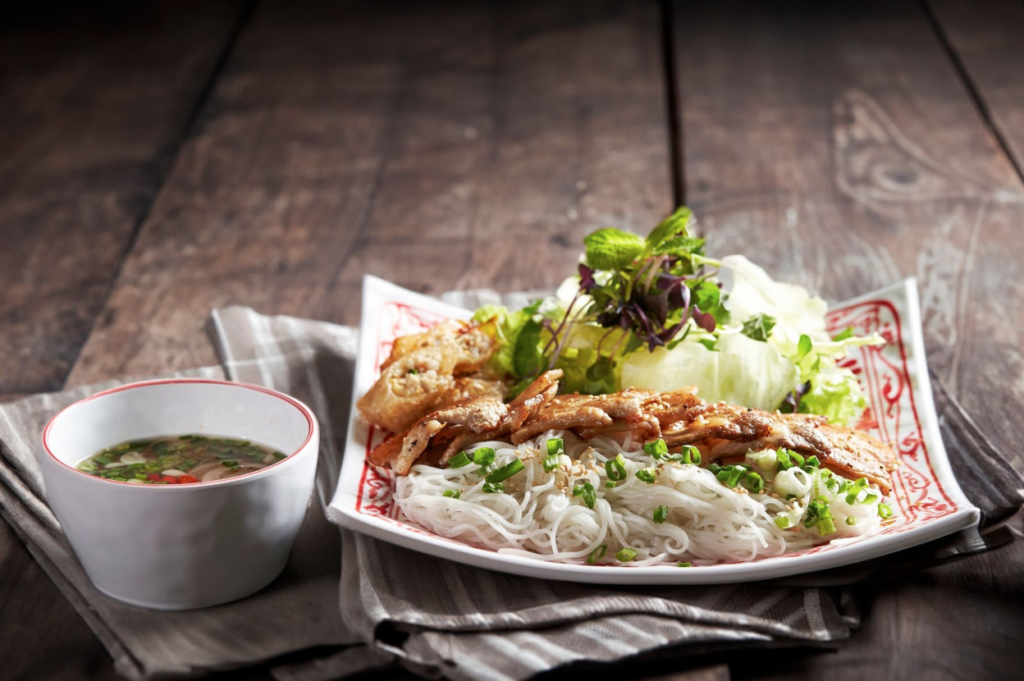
179,460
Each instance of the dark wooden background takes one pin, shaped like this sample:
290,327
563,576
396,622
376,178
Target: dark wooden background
161,159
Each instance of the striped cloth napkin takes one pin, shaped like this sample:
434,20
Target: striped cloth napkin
467,623
433,616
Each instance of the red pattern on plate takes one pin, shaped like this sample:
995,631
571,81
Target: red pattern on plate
891,416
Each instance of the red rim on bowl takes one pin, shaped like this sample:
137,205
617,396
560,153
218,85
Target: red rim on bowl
303,409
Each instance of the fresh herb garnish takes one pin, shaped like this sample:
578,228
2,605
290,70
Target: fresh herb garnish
759,327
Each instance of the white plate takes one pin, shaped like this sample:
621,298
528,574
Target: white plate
901,412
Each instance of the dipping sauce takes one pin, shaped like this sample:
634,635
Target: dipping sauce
179,460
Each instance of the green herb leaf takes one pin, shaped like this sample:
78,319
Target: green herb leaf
528,356
452,493
803,346
673,225
759,327
844,334
612,249
705,293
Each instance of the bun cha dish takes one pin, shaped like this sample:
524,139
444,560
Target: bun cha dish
181,493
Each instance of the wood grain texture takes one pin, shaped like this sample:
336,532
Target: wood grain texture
986,37
92,102
441,145
837,146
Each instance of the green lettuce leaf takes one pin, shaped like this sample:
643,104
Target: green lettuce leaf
739,370
836,395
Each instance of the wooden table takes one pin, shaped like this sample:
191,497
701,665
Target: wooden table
159,160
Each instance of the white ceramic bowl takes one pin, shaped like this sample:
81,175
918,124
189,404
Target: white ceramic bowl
175,547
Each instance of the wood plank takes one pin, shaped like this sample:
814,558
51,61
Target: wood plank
92,102
837,145
455,144
985,36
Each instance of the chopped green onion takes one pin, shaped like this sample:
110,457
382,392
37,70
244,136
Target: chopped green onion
687,564
626,555
610,484
856,491
279,456
714,468
658,449
826,526
812,464
797,458
691,455
412,372
483,456
616,468
884,511
459,460
660,514
452,493
753,482
597,554
550,463
730,475
785,463
493,488
648,475
869,499
851,520
782,522
832,485
506,471
556,446
586,490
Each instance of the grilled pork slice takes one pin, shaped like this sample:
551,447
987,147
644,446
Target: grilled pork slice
421,374
442,434
726,431
635,412
482,415
721,431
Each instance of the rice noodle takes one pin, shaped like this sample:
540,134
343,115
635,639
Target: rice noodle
537,515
